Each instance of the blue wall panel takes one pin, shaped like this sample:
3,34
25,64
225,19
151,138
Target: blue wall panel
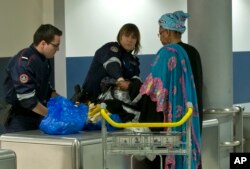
146,62
77,68
241,77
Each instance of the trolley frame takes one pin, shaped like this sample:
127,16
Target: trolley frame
125,143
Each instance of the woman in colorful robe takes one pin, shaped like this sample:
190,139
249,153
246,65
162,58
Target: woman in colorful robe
170,88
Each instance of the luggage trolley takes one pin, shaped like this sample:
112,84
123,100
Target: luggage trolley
146,143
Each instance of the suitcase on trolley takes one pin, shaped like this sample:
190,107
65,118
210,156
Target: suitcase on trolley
36,150
7,159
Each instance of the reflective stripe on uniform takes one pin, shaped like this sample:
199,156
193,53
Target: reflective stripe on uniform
136,77
26,95
111,60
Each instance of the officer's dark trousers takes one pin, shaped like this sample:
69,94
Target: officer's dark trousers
22,119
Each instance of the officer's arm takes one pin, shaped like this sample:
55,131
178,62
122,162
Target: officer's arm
23,77
40,109
109,57
126,84
113,68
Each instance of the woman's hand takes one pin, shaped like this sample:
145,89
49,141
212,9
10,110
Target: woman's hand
123,84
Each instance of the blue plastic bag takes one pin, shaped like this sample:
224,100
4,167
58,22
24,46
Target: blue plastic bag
63,117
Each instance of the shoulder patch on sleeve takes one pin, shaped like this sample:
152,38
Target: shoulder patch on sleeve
114,49
24,78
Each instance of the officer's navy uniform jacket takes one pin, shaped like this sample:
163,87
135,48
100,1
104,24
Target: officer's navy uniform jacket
26,84
111,60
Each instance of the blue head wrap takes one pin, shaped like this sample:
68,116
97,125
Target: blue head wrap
174,21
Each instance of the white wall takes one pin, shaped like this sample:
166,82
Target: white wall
60,59
19,20
91,23
241,25
48,11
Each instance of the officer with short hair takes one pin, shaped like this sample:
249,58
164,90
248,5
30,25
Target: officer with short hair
27,83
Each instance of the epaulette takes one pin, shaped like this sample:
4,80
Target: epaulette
25,56
113,46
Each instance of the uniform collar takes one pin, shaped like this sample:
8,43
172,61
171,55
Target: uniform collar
32,46
122,49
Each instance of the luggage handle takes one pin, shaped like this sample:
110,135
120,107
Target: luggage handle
132,124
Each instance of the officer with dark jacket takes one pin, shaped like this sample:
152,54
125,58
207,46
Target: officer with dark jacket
114,75
115,62
27,85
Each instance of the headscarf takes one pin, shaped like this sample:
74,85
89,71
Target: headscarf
174,21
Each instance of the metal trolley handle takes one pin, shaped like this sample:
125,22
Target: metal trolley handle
130,124
230,143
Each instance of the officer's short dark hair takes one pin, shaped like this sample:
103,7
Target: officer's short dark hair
128,29
46,32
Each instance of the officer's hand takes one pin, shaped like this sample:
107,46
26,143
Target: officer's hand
76,96
54,94
79,95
